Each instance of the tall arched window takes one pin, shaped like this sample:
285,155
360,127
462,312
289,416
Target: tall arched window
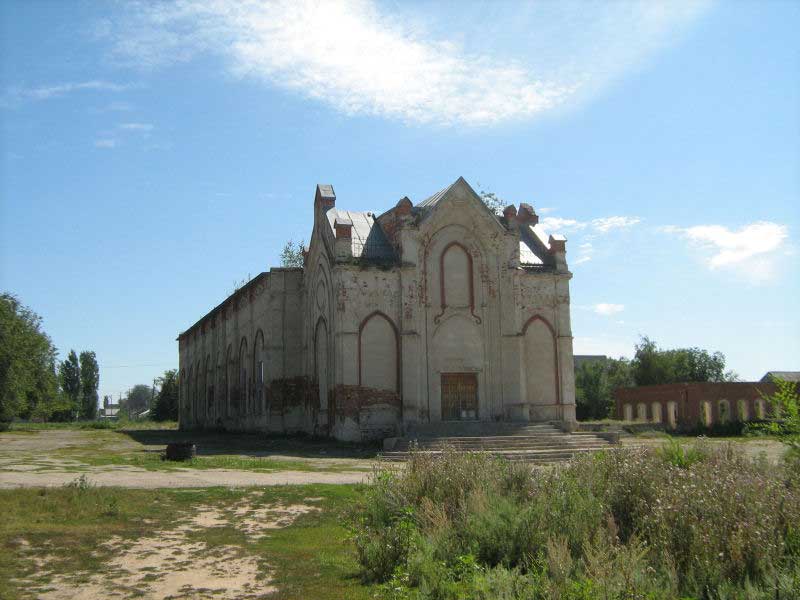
378,353
259,372
230,379
244,402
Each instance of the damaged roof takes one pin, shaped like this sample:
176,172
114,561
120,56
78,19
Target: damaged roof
368,241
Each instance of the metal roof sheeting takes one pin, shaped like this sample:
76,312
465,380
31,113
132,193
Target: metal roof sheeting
368,242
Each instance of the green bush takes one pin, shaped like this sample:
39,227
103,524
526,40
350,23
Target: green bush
636,523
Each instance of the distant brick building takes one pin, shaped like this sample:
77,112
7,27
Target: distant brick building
686,405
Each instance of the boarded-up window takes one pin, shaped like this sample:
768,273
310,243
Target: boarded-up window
456,277
540,364
378,354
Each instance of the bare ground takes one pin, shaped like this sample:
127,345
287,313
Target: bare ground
173,563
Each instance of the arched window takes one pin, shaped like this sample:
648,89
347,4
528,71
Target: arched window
705,413
209,390
761,410
724,409
742,411
259,372
672,414
244,403
378,353
655,409
641,411
627,412
321,361
230,379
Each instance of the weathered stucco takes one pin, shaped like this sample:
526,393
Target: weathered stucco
355,344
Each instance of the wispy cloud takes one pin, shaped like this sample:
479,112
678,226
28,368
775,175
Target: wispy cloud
114,137
17,94
599,225
107,143
756,244
360,59
608,310
140,127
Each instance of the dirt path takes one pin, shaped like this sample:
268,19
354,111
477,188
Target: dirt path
184,478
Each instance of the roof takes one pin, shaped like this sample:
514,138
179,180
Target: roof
369,242
533,247
433,200
785,375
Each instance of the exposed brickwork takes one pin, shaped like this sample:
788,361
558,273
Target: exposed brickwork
292,392
690,397
348,400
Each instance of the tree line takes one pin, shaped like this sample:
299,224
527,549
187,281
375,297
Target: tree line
595,381
33,383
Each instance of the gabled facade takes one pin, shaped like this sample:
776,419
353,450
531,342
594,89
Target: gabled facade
441,311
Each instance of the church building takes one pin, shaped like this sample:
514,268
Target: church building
432,312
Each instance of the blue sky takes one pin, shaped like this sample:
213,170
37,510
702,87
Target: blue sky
154,155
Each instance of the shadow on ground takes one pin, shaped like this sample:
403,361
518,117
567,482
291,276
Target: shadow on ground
211,443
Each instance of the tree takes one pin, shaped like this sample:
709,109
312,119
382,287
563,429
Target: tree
28,385
292,254
69,375
595,382
652,366
493,203
165,407
138,399
90,380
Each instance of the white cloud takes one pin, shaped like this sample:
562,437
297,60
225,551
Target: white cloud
606,224
599,225
608,309
554,224
141,127
730,248
105,143
359,59
46,92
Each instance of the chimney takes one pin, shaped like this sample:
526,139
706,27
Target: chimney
325,196
343,247
558,248
526,215
403,207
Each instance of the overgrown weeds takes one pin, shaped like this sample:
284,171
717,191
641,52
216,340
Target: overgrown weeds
633,523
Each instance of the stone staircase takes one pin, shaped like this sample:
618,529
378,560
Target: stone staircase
538,443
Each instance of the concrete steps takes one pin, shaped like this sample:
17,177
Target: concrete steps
539,443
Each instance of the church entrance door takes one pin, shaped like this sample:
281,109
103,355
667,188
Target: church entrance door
459,396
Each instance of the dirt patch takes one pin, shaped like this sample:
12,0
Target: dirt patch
173,563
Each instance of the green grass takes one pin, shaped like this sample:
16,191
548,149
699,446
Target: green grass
82,425
312,558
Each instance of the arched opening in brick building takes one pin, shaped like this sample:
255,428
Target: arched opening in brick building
627,412
724,411
655,409
672,414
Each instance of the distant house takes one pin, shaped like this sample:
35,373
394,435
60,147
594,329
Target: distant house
785,375
109,410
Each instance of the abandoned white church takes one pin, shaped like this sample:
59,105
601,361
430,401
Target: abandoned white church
439,311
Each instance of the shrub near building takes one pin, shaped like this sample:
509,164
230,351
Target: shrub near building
620,524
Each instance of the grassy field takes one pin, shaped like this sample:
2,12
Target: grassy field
59,540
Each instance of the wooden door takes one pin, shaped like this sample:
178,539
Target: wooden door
459,396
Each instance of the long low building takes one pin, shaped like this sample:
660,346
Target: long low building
687,405
439,311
